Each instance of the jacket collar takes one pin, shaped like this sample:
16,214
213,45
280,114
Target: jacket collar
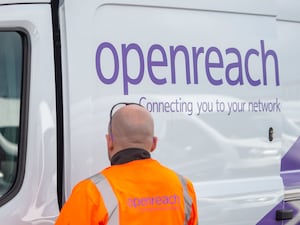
128,155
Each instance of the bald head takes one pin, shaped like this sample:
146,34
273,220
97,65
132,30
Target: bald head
132,126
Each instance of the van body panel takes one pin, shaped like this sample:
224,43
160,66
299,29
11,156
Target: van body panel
215,148
288,10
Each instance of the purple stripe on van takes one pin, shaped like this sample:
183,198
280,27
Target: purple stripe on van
270,218
290,163
291,160
291,179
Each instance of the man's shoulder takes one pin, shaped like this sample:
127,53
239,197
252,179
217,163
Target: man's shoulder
86,188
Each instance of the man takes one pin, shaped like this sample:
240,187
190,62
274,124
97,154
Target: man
135,189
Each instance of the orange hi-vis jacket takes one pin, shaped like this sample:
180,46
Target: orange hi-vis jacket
138,192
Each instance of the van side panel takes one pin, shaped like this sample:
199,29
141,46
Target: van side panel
211,78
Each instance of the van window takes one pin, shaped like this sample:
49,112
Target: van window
11,70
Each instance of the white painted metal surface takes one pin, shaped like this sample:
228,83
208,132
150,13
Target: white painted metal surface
36,202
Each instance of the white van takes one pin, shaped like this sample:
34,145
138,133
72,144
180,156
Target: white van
221,79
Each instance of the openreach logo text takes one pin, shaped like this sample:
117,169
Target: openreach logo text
171,202
236,73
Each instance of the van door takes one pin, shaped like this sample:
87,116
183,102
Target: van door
28,192
207,71
287,211
289,36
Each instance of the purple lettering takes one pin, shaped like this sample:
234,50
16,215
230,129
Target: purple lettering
127,79
152,63
209,64
196,53
231,66
264,57
98,63
173,53
249,78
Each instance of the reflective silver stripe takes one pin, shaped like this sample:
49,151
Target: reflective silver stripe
109,198
188,201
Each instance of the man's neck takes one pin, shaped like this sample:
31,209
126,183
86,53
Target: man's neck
128,155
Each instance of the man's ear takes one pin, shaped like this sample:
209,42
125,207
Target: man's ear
109,142
154,143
